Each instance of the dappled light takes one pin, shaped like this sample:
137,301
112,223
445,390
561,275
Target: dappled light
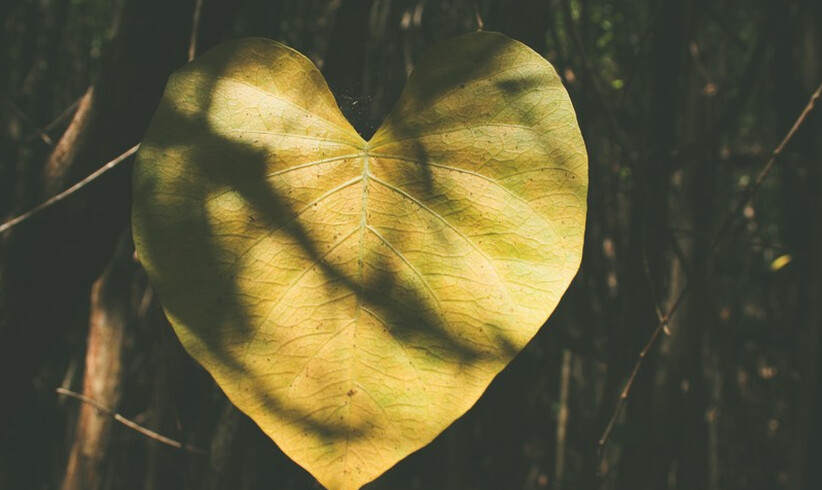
354,298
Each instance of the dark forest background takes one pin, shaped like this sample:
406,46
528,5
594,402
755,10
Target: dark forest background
681,103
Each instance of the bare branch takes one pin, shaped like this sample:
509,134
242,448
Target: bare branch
71,190
726,224
626,390
22,115
67,112
128,423
753,187
562,419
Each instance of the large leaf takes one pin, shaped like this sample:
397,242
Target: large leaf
354,298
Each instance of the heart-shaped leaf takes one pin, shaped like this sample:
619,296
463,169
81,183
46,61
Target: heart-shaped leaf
355,298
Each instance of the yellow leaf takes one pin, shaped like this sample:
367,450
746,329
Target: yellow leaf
781,262
355,298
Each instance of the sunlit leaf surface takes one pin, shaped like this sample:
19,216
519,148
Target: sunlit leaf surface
355,298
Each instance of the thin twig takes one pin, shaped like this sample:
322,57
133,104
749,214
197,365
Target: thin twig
128,423
20,113
68,111
753,187
192,51
71,190
680,255
195,29
626,390
649,278
727,222
562,419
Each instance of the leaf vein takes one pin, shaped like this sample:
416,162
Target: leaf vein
450,226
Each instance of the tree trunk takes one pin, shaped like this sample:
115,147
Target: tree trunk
802,179
643,465
48,264
110,316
